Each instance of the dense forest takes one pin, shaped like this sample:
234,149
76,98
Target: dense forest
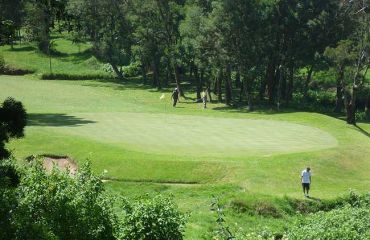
247,53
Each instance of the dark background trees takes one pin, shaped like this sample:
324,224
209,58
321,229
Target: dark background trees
253,53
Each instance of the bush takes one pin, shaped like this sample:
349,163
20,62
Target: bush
13,119
347,223
156,219
56,206
132,70
2,64
66,76
9,179
9,70
363,116
320,101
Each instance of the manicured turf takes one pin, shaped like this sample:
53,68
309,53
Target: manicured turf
187,151
135,136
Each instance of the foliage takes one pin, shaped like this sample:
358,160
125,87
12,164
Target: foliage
157,218
105,23
66,76
2,64
347,223
13,119
57,206
132,70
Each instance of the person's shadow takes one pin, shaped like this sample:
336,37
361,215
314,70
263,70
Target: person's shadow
314,199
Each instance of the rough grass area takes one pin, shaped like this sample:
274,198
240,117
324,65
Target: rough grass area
67,59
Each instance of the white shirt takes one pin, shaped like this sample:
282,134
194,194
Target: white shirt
306,176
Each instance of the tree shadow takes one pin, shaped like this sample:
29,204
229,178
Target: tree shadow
22,49
55,120
268,110
363,131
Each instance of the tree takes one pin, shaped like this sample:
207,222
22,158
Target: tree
148,44
13,119
341,57
360,12
106,24
11,19
40,19
195,41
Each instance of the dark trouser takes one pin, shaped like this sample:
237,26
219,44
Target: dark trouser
174,102
306,187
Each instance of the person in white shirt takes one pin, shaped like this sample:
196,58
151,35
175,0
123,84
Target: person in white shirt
306,181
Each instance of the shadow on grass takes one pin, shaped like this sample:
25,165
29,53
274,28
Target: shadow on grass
22,49
314,199
55,120
363,131
257,109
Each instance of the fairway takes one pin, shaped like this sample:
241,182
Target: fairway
193,135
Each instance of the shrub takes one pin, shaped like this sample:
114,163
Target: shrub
8,175
9,70
363,116
56,206
13,119
239,206
155,219
132,70
2,64
66,76
347,223
266,209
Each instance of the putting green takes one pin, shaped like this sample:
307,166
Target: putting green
197,135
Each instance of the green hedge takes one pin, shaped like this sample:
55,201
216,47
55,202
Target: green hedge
65,76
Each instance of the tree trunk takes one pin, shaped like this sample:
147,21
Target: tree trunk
178,80
283,83
339,97
219,85
117,71
289,87
199,87
241,92
248,92
228,87
262,88
143,73
209,90
270,77
237,80
351,112
156,82
307,82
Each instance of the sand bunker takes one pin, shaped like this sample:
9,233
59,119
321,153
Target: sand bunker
64,164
